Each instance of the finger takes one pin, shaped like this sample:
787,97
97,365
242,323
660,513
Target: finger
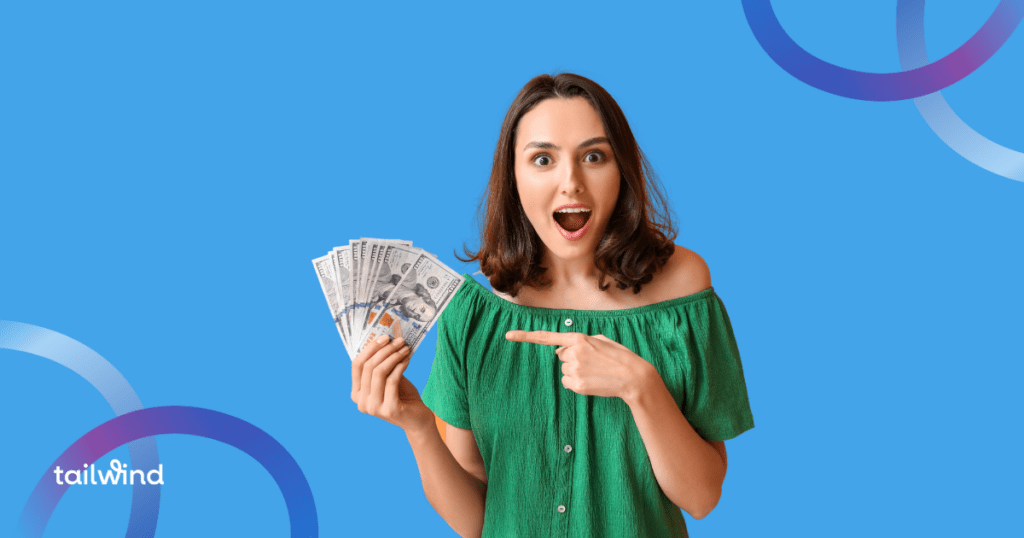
568,353
604,338
372,346
381,373
377,358
546,338
391,386
380,356
357,364
397,329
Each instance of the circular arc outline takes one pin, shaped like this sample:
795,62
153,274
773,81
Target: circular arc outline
937,113
907,84
114,388
196,421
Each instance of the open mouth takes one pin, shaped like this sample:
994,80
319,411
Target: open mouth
572,219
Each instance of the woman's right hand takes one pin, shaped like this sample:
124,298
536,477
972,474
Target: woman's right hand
379,388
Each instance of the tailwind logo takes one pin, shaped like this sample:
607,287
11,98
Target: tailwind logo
117,474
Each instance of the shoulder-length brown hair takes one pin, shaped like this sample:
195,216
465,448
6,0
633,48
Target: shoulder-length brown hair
639,237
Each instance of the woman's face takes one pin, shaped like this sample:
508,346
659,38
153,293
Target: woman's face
566,175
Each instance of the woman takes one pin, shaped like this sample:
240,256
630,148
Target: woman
574,408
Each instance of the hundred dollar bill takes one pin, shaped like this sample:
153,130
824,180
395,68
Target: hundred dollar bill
371,253
341,262
368,253
397,259
360,259
415,300
380,257
328,284
354,250
339,300
376,247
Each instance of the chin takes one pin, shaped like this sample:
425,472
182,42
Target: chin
564,249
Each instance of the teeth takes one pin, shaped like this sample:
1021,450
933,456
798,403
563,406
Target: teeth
573,210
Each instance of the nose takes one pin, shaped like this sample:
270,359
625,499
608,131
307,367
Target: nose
572,179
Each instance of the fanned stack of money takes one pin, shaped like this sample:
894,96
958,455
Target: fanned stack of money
384,286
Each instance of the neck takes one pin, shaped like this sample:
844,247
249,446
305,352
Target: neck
575,273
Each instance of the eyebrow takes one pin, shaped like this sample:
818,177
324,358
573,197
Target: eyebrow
548,145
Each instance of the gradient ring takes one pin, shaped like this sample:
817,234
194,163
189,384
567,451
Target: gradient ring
923,80
283,468
114,388
959,136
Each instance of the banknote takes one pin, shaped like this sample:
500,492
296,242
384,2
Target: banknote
396,261
335,270
415,300
329,284
373,286
369,258
355,247
376,248
341,262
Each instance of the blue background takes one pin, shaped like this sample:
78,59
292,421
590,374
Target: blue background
168,172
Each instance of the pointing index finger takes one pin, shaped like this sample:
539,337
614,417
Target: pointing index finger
546,338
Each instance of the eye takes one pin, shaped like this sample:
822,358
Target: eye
597,153
542,157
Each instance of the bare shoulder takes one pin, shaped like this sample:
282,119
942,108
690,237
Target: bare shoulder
684,274
505,296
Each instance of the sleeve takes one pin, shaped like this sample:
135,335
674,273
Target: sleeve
445,392
716,403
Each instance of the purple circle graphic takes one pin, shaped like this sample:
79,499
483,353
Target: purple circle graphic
952,130
923,80
184,420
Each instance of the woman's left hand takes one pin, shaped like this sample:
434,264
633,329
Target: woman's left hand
593,365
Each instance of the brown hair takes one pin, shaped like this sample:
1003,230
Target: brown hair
639,237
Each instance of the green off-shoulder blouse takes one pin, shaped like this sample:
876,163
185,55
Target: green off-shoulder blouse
561,464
